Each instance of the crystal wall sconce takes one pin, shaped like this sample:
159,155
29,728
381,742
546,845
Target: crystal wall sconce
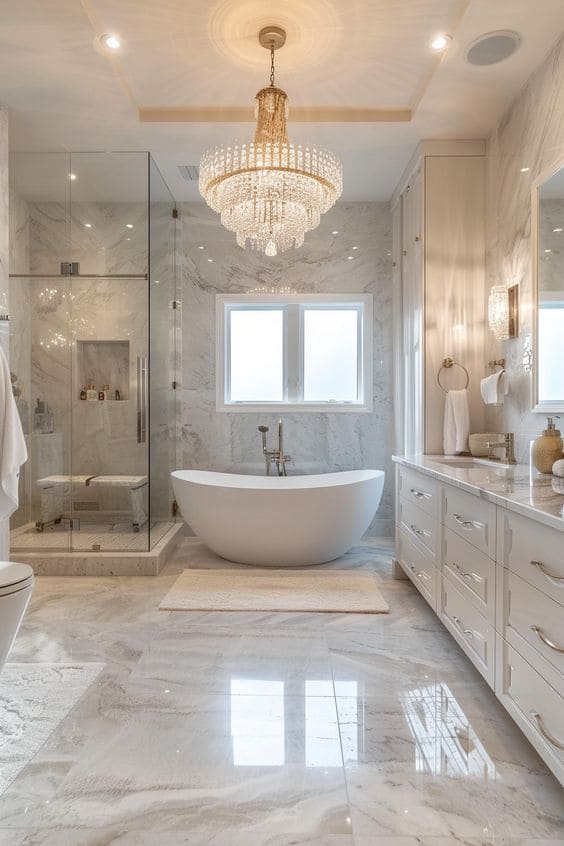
503,311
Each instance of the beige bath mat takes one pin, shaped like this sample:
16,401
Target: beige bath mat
345,591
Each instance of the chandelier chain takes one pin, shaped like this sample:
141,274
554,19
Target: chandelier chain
272,63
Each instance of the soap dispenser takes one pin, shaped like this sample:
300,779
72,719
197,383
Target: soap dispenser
547,448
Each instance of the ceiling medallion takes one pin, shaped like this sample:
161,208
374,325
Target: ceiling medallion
270,192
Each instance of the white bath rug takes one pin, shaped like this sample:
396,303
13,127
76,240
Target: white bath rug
34,699
340,591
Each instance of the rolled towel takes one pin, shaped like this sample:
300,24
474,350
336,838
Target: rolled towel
456,423
558,486
494,388
558,467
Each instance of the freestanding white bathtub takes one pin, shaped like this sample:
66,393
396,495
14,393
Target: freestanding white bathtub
278,520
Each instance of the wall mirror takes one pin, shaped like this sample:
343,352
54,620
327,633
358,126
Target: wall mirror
548,291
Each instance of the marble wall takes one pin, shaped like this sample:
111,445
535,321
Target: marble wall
212,263
530,135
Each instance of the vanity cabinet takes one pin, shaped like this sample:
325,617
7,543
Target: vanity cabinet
496,580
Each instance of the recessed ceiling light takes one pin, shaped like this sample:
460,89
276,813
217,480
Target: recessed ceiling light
558,229
201,247
129,225
548,251
335,232
355,248
72,177
157,282
350,258
88,225
210,259
112,42
525,169
441,42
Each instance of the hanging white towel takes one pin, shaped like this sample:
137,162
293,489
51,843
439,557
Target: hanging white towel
457,423
13,451
494,388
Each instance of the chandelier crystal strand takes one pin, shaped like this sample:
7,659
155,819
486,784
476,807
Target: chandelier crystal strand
270,192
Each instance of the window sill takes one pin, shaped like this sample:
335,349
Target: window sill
294,408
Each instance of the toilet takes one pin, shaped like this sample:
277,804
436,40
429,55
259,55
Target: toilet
16,587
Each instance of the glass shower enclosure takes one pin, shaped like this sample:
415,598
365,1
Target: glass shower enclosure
92,337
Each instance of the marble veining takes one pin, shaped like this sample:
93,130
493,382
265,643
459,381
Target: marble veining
269,729
212,263
518,488
530,135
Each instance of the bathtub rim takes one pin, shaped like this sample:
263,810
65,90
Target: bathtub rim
240,481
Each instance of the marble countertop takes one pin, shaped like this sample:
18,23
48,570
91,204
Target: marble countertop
519,487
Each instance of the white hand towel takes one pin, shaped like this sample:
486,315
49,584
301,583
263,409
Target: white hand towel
457,423
13,451
495,387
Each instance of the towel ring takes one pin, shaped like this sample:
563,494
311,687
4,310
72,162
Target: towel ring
446,365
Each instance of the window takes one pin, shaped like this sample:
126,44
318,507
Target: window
299,353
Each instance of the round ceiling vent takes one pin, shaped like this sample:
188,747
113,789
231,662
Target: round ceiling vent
493,47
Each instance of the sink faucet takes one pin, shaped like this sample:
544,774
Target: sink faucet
507,444
275,456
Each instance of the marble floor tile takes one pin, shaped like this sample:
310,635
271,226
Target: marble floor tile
264,729
76,837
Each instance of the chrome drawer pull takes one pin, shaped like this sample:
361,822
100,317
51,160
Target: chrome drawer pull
543,637
545,732
550,576
467,524
460,624
421,532
474,577
420,494
420,575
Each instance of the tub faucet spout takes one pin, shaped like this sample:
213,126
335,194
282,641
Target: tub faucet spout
275,456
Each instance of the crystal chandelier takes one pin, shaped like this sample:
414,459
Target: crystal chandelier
270,192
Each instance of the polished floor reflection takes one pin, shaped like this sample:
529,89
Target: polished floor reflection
263,729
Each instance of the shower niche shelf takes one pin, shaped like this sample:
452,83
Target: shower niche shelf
104,363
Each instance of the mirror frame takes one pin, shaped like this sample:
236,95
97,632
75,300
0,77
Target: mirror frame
558,405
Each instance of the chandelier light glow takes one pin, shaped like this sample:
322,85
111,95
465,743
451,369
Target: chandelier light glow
270,192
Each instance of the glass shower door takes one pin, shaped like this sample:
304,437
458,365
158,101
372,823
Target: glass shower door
39,346
109,354
162,349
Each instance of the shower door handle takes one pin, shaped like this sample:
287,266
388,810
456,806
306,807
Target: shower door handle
142,395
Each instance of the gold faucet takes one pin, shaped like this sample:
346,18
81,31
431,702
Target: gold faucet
508,445
275,456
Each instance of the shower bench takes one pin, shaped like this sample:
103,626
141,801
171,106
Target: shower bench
55,489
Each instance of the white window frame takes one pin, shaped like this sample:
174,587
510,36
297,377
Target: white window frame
293,349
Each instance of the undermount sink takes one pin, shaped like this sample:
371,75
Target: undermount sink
467,463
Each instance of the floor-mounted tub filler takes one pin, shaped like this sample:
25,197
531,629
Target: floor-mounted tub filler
279,520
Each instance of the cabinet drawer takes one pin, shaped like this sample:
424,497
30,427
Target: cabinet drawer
533,551
470,517
420,489
536,617
419,523
474,572
536,705
419,566
469,628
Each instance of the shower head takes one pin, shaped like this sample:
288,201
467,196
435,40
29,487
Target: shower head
263,428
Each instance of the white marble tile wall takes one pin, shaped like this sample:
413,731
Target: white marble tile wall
531,135
212,263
